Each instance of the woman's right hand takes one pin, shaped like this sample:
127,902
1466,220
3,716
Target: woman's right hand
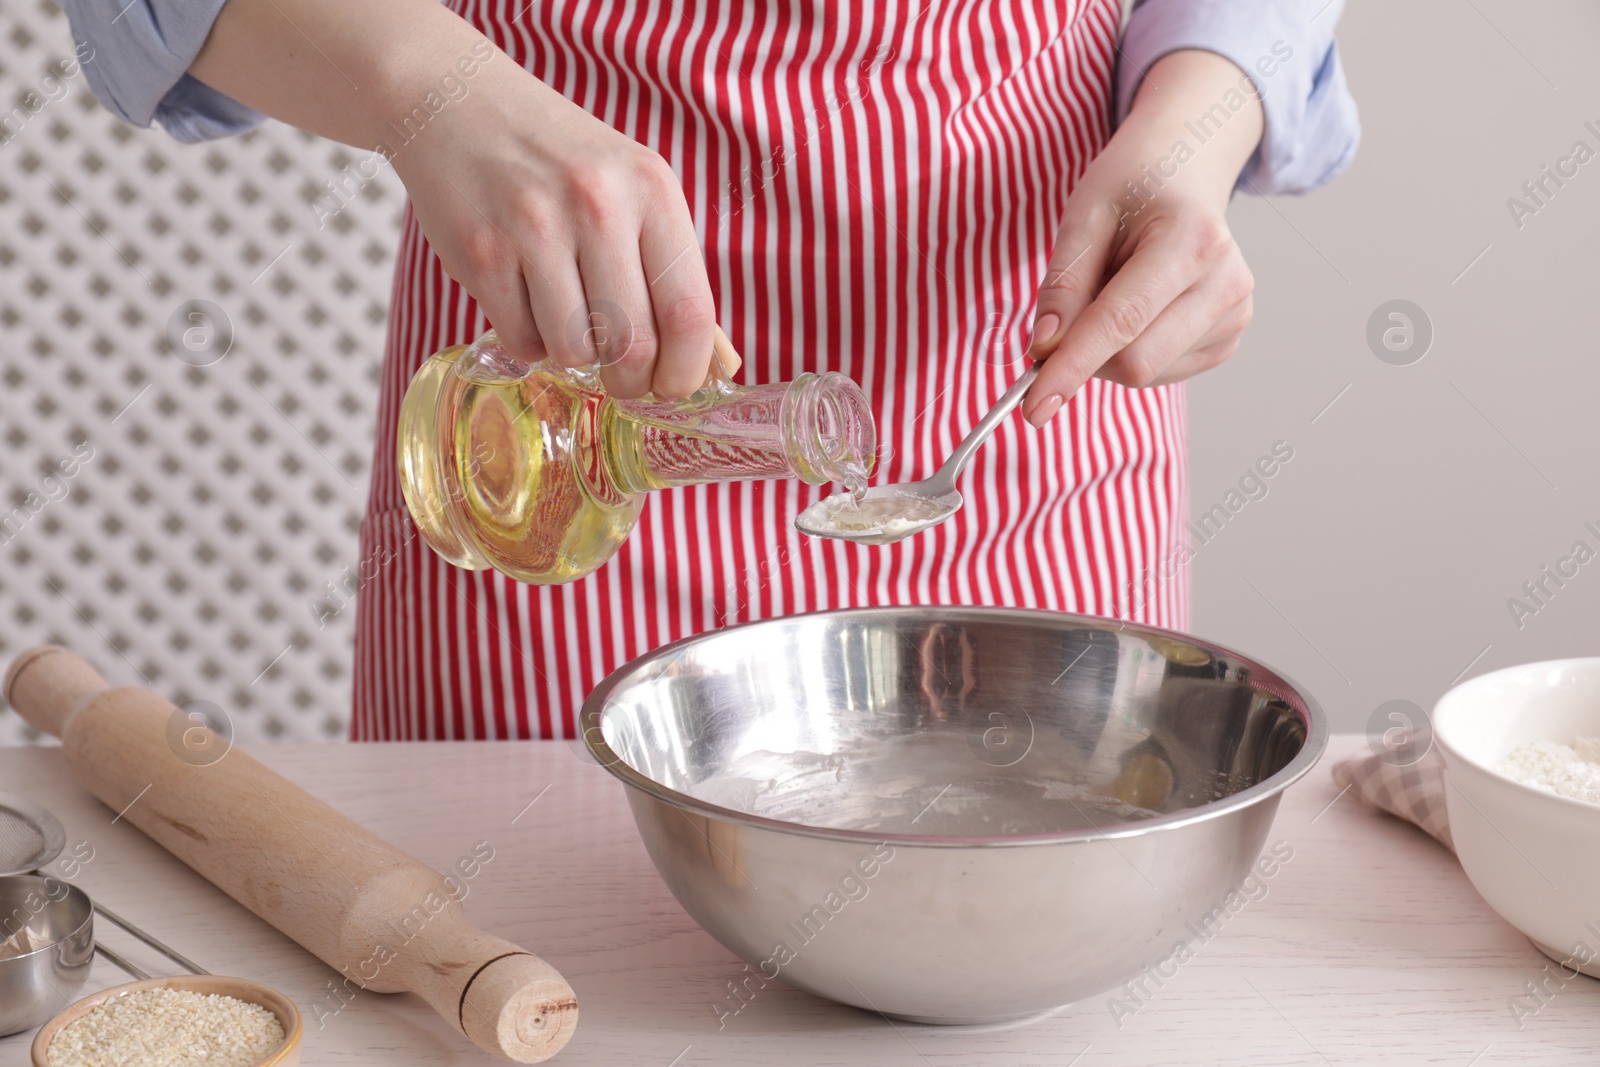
575,240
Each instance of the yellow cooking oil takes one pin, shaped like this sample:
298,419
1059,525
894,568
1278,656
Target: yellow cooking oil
536,472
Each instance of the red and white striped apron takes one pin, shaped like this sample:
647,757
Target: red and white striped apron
878,186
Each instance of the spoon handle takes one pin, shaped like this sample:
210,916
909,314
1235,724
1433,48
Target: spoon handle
945,478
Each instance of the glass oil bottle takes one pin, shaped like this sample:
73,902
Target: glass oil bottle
534,471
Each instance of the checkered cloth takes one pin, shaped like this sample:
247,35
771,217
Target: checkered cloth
1405,777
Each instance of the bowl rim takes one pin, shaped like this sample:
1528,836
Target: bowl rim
1501,674
591,719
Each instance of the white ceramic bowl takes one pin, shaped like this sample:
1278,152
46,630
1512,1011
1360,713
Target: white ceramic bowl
1534,856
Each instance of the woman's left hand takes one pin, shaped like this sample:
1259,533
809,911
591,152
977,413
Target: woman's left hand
1146,285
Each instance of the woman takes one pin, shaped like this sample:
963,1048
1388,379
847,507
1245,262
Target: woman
881,190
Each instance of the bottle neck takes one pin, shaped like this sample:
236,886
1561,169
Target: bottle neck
817,428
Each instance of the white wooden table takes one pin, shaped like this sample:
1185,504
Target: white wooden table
1368,947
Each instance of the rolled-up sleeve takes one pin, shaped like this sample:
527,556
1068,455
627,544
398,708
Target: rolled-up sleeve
135,56
1287,49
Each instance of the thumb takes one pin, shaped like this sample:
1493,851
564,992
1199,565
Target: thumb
724,353
1077,266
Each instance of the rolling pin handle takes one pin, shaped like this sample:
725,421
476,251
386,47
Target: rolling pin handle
47,684
519,1007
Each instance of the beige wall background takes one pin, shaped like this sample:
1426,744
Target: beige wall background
223,492
1421,497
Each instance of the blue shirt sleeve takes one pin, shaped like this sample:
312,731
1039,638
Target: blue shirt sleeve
135,55
1287,49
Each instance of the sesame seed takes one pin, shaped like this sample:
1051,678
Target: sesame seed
168,1028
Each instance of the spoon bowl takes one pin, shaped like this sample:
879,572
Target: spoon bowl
882,515
885,514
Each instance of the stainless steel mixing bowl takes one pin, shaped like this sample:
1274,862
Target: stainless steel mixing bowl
950,815
59,920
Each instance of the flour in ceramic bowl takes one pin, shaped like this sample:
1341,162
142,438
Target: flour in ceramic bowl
1567,770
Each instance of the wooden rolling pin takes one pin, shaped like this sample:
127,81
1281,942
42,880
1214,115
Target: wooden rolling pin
374,914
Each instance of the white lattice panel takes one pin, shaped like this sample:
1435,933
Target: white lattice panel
206,500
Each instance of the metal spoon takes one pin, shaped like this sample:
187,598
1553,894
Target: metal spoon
890,513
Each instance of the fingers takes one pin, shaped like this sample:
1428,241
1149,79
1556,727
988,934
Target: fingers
480,256
726,354
633,297
1206,314
1198,360
555,294
504,300
1175,330
680,296
1124,309
598,266
523,274
1177,299
1230,325
1083,249
1216,346
619,331
575,239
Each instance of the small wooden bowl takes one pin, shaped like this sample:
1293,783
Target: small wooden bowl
286,1054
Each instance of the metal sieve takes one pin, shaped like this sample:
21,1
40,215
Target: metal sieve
48,925
30,836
